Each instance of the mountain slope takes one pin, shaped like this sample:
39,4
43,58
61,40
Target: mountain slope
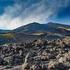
34,31
36,27
57,25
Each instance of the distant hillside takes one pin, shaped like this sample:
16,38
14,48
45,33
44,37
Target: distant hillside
4,31
36,27
34,31
57,25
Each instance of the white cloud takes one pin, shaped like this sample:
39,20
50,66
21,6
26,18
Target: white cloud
7,22
15,16
20,14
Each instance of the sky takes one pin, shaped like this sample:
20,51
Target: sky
16,13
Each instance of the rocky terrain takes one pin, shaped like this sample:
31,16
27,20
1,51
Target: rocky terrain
39,54
35,47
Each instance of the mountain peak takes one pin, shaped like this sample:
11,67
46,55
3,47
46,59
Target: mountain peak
35,23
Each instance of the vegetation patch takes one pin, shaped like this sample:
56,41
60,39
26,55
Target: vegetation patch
7,35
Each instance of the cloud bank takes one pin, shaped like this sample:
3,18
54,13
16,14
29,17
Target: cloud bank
22,12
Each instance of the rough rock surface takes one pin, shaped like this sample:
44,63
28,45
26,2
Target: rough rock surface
37,55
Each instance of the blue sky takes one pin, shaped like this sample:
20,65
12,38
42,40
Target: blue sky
15,13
